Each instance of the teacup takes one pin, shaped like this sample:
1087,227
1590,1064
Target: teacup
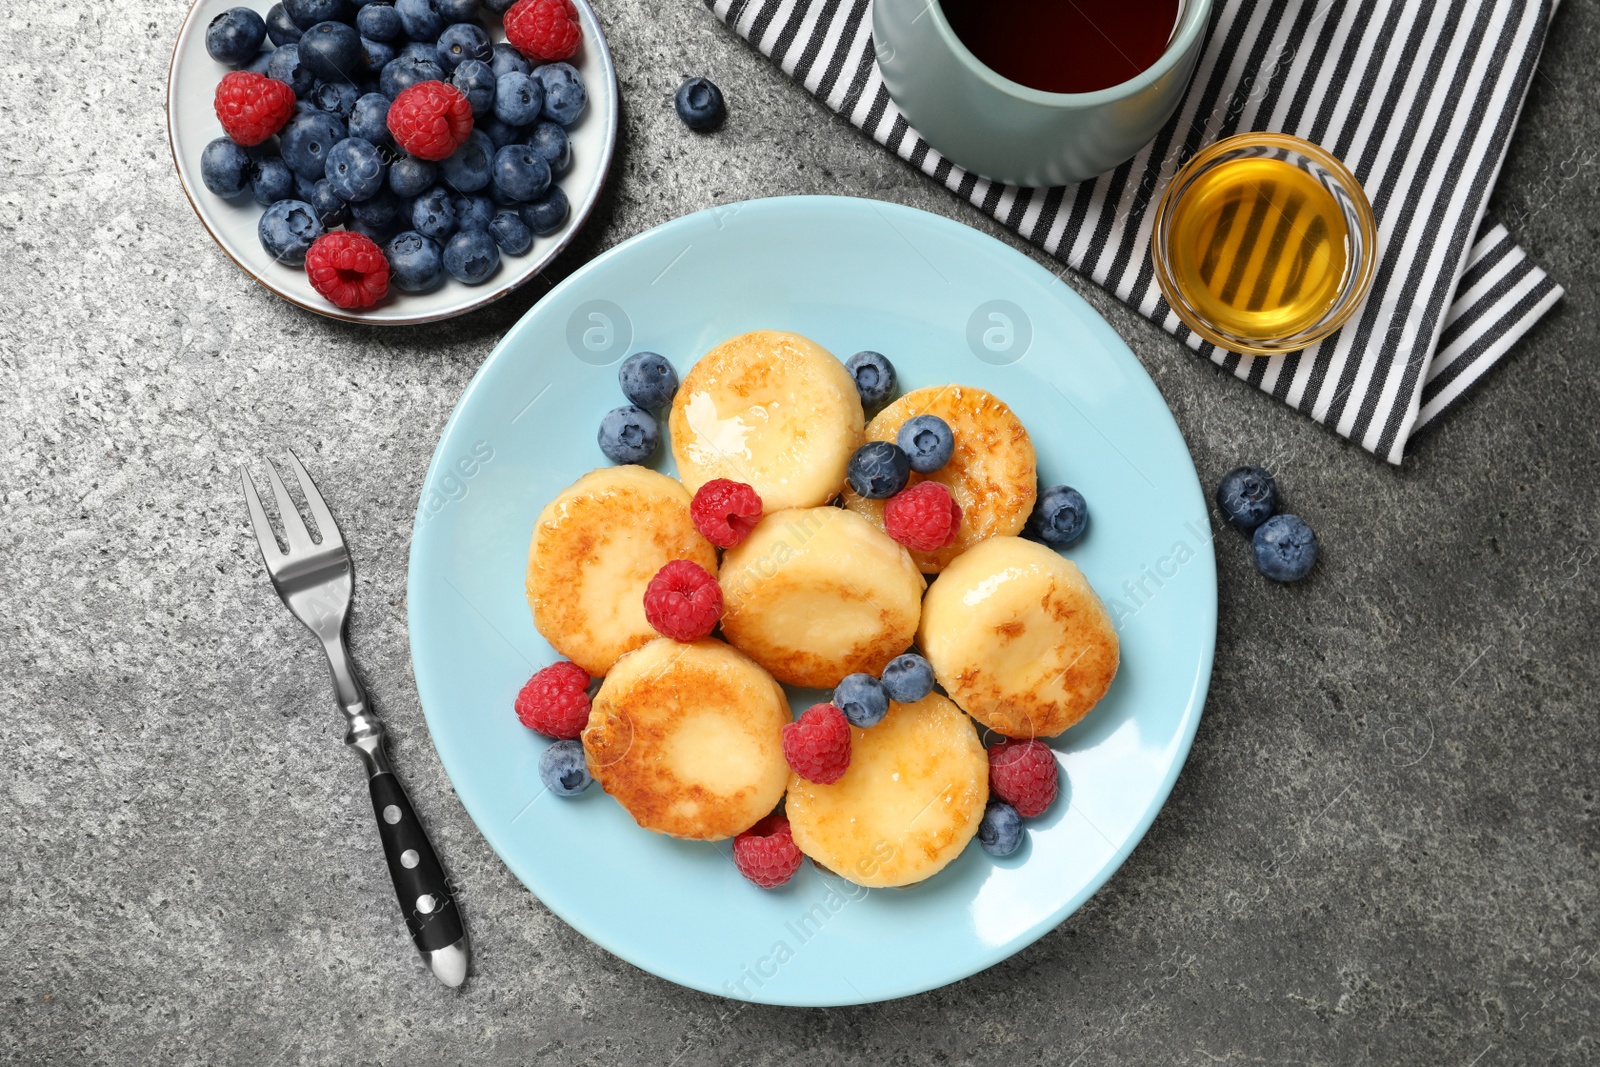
1011,133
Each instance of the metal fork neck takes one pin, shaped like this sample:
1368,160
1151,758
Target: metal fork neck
365,732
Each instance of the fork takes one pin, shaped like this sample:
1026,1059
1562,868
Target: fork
313,579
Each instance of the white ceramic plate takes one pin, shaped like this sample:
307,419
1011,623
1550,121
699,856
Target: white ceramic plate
192,124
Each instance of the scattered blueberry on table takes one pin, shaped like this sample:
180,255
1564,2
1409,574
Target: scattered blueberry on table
700,105
445,181
563,770
1247,497
1285,548
648,380
908,678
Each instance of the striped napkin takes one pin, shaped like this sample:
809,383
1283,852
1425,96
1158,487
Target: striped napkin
1417,97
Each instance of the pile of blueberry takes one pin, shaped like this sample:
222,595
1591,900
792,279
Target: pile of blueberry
335,163
1284,546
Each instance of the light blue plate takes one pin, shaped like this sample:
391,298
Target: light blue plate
946,304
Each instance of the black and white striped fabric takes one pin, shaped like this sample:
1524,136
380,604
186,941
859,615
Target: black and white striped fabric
1418,98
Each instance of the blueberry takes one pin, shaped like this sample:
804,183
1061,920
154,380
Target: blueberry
420,19
700,105
928,441
453,11
375,55
415,263
1247,497
434,215
461,42
508,59
287,229
547,214
499,133
307,13
403,71
1059,515
376,234
332,209
1285,548
518,98
468,169
381,212
234,37
551,142
305,188
306,141
286,67
476,80
520,173
629,434
510,233
648,380
281,29
331,50
225,168
271,181
354,169
261,63
863,700
419,50
564,94
369,118
1000,832
878,470
411,177
908,678
875,378
475,213
471,256
563,770
379,22
499,7
336,98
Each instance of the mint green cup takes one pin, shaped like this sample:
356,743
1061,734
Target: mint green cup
1003,130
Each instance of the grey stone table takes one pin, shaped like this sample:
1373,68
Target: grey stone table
1383,848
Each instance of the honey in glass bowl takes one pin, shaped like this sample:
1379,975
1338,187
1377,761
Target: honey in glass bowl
1263,243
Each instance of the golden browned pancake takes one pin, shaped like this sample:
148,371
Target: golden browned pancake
689,739
774,410
908,805
991,473
1018,638
814,594
594,549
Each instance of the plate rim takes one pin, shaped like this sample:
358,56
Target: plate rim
989,955
580,213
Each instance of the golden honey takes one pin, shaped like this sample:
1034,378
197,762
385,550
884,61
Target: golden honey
1259,248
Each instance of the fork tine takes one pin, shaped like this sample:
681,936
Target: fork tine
266,540
319,511
294,527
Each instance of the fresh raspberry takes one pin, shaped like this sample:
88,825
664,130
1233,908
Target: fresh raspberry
252,107
725,511
817,745
430,120
924,517
766,853
348,268
1024,775
543,30
555,702
683,601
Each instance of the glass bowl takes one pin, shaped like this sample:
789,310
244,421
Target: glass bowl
1359,243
